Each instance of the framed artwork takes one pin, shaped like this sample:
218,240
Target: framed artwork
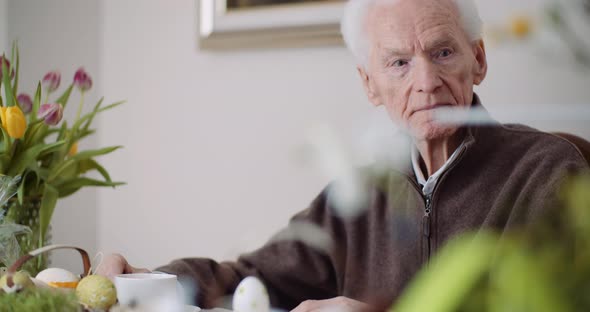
236,24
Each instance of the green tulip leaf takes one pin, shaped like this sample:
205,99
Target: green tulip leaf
65,171
89,117
67,192
61,169
48,132
69,172
84,181
13,52
82,134
96,152
87,120
49,150
7,141
64,98
48,201
523,282
98,104
80,156
456,269
110,106
40,173
21,162
35,132
36,101
59,156
15,60
63,130
71,186
9,97
4,162
20,193
87,165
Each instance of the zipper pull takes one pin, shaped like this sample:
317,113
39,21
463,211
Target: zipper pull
426,218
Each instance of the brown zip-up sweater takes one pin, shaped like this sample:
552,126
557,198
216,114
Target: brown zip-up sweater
504,177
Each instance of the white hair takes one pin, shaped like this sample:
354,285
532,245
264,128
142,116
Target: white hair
354,33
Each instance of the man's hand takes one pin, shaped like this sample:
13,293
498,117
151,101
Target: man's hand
342,304
115,264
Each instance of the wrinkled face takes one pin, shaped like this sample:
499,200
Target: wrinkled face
420,58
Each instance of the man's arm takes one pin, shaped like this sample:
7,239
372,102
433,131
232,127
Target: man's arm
115,264
292,270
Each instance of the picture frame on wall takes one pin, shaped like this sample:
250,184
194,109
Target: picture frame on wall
252,24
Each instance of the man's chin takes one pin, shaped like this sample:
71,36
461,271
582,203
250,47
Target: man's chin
432,133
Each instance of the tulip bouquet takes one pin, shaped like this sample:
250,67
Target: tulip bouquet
41,148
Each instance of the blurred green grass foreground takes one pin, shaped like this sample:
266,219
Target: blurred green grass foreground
542,268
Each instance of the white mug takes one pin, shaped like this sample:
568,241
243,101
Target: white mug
146,288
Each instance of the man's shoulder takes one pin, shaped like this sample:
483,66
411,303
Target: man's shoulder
520,140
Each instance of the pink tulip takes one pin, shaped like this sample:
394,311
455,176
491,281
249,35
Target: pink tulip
51,81
51,113
6,63
25,102
82,80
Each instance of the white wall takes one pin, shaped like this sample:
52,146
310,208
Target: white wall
3,25
210,136
535,74
63,35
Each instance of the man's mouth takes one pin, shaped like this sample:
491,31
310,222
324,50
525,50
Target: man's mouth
432,107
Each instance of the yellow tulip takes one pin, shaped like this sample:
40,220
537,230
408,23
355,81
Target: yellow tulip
3,116
14,121
74,149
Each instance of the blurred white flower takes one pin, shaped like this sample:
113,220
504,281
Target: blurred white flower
517,114
308,233
329,155
377,143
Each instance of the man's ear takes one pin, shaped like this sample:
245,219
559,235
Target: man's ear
368,86
480,68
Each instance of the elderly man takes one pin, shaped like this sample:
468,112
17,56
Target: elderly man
414,56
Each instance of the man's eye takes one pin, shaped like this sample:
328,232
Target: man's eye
444,53
400,63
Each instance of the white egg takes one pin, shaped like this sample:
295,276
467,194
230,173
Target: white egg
251,296
39,283
58,278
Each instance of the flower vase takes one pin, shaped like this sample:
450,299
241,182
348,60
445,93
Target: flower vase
28,214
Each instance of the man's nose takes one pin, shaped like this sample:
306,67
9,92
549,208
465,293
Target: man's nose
427,77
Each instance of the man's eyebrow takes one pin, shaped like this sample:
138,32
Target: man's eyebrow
441,42
391,52
437,43
394,51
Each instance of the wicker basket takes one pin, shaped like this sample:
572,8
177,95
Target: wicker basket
22,260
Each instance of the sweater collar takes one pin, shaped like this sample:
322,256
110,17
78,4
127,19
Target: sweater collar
471,134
